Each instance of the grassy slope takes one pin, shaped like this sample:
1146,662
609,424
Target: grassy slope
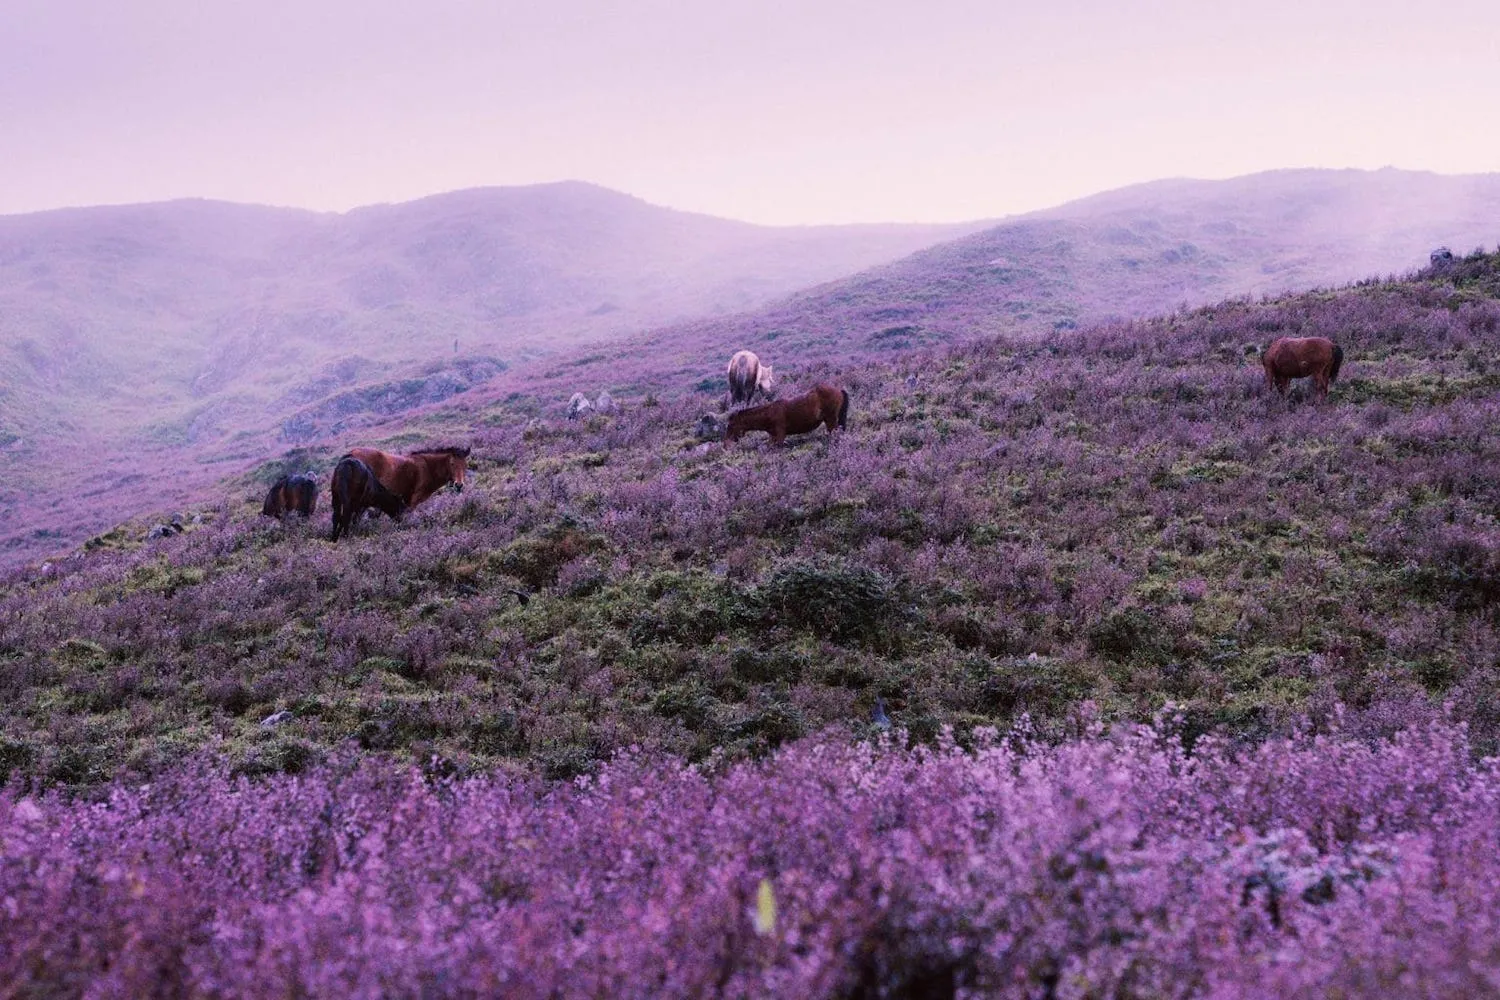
185,333
1123,516
197,337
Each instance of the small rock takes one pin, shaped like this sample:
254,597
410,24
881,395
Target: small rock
878,714
605,403
708,428
911,381
276,719
579,406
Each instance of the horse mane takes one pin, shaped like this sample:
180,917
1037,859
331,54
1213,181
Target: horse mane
451,452
1338,361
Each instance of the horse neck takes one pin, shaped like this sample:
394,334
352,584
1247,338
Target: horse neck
432,475
759,417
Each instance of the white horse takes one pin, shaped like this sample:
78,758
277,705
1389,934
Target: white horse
746,377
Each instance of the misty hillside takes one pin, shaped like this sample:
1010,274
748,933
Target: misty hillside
184,328
1139,251
208,337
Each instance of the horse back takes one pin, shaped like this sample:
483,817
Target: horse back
398,474
744,375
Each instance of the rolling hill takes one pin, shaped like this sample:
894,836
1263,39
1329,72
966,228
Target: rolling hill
208,337
188,329
1140,251
1009,526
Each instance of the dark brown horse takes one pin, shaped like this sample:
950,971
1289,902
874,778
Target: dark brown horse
1298,357
355,490
417,476
291,494
823,404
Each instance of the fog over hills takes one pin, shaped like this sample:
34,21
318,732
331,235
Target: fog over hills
1139,251
165,334
148,350
187,314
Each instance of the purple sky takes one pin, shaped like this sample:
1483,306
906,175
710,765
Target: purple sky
778,112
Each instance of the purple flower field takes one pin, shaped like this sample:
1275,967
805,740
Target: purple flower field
244,761
1115,866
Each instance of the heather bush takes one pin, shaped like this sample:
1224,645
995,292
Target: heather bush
1113,864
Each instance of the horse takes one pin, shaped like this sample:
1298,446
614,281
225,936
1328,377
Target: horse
355,490
823,404
417,476
1298,357
291,494
746,377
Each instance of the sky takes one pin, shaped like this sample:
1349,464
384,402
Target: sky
800,112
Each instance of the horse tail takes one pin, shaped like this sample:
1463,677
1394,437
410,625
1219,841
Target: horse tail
844,410
1338,361
335,501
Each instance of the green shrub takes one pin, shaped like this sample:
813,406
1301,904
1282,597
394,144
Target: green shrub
831,600
1130,633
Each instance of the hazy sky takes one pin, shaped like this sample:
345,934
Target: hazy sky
803,111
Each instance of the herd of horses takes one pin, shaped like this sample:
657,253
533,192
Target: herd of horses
366,478
370,479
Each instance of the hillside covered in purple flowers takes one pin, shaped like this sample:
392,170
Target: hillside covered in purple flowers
1219,628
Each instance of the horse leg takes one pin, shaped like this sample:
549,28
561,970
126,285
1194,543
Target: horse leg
1321,381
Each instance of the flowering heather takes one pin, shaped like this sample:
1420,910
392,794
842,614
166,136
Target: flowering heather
1112,866
1124,516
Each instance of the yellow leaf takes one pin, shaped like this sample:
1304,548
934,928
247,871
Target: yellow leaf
765,908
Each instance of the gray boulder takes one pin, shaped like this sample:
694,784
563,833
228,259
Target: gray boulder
708,428
579,406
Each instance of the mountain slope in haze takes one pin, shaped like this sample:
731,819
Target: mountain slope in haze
1139,251
191,328
186,300
339,322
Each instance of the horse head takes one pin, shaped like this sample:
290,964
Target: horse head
763,379
458,465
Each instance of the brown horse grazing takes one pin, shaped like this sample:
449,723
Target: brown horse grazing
355,490
291,494
747,376
823,404
1298,357
417,476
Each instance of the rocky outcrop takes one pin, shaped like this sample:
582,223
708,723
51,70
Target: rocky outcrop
369,404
